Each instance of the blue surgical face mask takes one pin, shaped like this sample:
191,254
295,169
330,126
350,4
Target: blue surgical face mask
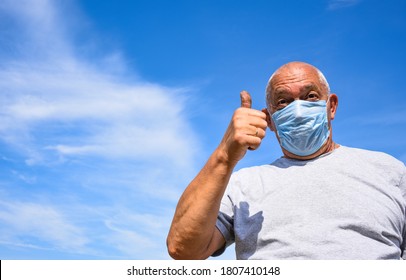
302,126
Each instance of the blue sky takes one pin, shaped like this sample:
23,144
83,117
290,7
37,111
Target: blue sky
109,108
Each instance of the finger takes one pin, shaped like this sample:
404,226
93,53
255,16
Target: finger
254,122
242,111
253,131
246,101
259,132
257,113
255,139
254,142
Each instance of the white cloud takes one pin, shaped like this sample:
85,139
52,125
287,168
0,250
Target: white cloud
104,115
339,4
114,120
139,233
116,137
81,230
41,222
131,243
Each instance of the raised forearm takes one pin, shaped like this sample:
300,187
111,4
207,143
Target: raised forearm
194,221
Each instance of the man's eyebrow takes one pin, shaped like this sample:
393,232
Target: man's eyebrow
280,91
305,89
309,87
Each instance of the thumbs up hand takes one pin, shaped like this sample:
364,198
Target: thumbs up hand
245,131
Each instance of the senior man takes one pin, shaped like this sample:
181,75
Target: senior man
321,200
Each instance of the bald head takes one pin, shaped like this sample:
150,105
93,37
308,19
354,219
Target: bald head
292,74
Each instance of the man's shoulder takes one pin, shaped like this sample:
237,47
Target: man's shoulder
376,158
368,154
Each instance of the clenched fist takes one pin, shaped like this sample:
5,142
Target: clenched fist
245,131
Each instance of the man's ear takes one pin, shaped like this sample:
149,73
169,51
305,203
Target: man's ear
333,100
268,119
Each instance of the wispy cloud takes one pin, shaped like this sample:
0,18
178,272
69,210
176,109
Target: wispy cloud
105,132
340,4
42,223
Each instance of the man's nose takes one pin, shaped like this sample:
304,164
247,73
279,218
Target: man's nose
298,110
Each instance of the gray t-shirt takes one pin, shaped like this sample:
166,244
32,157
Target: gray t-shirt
348,204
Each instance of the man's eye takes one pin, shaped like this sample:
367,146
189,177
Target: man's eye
312,96
282,102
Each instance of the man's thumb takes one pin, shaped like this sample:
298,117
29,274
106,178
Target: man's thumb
246,101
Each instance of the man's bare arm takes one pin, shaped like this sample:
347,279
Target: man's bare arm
193,233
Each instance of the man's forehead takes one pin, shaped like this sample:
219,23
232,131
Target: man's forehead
295,75
295,78
296,72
